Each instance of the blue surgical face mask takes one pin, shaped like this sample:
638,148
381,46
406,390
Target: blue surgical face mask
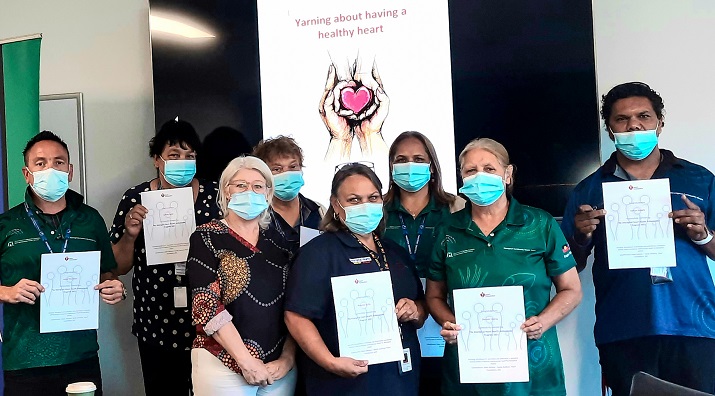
636,145
363,218
483,189
411,176
288,184
248,204
50,184
179,173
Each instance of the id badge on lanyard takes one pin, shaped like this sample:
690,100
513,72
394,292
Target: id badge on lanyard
42,235
413,253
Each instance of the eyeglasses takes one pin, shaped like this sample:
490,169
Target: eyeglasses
242,185
364,163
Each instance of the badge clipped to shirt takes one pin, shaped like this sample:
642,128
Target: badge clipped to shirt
181,299
406,362
361,260
180,269
660,275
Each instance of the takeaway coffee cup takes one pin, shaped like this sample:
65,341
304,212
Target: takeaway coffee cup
81,389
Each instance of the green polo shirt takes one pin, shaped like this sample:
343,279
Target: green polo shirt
20,252
527,248
433,214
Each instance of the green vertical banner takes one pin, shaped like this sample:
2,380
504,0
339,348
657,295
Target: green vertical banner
19,119
19,111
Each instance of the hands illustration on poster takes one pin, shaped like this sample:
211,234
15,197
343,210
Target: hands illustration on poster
354,108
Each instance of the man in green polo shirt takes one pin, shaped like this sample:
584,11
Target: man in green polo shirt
52,219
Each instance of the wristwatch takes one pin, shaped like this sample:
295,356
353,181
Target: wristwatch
124,292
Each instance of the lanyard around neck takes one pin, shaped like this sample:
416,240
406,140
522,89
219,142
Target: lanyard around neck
42,235
383,265
420,230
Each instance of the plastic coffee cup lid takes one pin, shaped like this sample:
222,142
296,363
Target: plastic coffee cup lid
79,387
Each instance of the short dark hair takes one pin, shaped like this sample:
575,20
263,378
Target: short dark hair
174,132
330,222
279,146
629,90
42,136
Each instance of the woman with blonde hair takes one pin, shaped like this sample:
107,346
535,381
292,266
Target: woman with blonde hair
237,271
496,241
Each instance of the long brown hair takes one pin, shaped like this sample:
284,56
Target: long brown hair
436,189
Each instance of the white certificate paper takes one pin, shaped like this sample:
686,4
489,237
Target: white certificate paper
639,233
307,234
168,225
431,342
365,315
69,301
491,345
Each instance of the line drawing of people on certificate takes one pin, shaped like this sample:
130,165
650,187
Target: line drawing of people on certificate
173,224
354,105
65,287
640,216
486,329
360,315
613,220
189,223
168,217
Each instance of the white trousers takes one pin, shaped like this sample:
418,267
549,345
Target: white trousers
210,377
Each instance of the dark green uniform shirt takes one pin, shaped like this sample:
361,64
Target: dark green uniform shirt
20,252
432,215
527,248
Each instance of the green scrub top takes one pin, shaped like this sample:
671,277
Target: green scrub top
433,214
527,248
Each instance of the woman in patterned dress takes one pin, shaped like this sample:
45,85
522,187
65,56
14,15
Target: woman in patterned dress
237,270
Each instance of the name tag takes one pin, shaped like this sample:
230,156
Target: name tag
406,363
361,260
180,269
180,297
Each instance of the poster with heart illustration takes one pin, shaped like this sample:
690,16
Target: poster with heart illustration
345,78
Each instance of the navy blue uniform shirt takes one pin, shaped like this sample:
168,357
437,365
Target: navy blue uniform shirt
309,217
309,293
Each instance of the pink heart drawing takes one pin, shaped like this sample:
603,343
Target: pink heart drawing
355,100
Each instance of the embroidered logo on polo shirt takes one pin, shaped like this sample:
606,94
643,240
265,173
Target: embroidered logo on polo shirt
14,231
566,249
360,260
519,249
459,253
691,196
448,239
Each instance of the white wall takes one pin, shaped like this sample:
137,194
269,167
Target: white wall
100,48
668,45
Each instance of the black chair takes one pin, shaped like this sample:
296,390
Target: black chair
647,385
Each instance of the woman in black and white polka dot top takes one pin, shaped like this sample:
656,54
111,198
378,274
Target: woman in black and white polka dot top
162,320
